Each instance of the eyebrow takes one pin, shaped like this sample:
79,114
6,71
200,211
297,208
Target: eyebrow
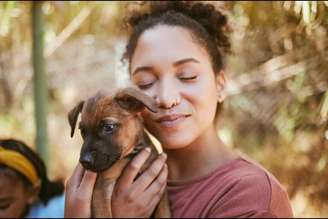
175,64
143,68
183,61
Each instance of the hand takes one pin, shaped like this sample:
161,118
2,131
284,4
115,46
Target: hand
139,198
78,195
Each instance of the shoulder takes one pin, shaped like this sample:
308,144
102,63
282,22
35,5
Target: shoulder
54,208
251,190
249,186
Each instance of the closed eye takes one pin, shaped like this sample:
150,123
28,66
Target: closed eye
145,86
4,207
188,78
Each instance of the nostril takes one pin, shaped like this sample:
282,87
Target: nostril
87,160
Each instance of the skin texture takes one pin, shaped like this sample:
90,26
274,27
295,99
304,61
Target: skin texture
191,88
181,87
14,196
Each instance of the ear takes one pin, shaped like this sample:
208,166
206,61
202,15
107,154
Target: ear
33,193
220,85
134,100
73,115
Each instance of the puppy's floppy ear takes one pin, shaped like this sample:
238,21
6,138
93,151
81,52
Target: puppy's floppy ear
134,100
73,115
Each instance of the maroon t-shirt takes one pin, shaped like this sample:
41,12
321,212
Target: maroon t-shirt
239,188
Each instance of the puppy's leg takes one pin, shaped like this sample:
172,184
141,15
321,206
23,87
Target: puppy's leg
101,199
102,193
162,210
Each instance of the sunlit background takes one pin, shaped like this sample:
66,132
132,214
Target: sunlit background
276,108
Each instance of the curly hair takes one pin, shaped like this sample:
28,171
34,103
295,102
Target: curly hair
207,24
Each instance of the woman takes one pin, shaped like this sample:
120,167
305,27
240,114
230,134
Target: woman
175,56
25,190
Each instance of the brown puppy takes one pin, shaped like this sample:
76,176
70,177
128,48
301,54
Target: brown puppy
113,132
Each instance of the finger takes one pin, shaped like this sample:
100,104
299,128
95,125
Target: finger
159,184
150,174
155,200
87,184
133,168
75,180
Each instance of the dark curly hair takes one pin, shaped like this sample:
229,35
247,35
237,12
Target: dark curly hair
207,24
49,189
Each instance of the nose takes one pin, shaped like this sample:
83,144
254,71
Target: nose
168,94
87,160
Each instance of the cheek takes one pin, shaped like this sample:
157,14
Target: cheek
202,96
16,208
11,186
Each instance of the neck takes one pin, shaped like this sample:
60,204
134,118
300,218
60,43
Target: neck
199,158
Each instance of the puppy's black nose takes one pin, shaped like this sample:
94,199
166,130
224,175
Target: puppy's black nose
87,160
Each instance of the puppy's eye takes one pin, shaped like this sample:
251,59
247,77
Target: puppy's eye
108,127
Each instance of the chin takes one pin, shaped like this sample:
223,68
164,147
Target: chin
176,140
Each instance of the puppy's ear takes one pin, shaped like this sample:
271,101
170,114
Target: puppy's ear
134,100
73,115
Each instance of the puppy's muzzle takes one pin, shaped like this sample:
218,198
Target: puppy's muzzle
97,161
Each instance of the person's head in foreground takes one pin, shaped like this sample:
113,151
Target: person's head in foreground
23,179
175,56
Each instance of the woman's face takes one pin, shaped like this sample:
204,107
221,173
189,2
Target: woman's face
173,68
14,197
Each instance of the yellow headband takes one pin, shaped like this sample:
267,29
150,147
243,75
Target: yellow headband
18,162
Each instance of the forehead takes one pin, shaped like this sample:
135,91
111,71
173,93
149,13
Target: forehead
165,43
100,106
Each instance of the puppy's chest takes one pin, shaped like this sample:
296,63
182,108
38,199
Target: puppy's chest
110,176
105,183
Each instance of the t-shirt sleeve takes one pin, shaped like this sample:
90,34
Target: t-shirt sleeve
249,196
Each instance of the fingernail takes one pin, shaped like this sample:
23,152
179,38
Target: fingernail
147,149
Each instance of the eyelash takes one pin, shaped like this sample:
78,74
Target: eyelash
4,207
188,78
146,86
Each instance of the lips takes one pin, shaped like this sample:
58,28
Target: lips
171,120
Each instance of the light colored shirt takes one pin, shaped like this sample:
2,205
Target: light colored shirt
53,209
